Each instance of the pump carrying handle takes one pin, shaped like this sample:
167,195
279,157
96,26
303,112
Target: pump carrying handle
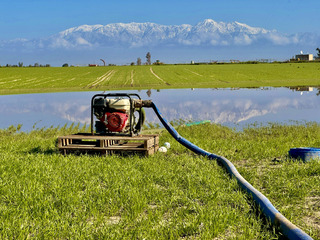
142,117
133,97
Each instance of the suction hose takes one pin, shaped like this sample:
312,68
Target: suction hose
288,229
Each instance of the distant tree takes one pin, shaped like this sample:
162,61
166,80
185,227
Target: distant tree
157,62
36,65
65,65
20,64
318,49
148,57
138,61
48,65
132,63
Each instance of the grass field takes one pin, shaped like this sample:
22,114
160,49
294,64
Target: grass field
177,195
52,79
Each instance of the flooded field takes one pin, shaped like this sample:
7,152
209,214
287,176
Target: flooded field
230,107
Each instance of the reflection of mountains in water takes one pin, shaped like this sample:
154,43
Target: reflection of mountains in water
222,106
225,111
230,109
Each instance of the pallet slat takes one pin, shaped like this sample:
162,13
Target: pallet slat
84,143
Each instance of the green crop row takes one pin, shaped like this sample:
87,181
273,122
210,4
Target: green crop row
28,80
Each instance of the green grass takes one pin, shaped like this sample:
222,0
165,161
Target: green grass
54,79
177,195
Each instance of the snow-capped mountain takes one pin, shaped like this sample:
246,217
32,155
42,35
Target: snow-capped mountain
123,42
205,33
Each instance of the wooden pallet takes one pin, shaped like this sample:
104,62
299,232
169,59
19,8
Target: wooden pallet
107,145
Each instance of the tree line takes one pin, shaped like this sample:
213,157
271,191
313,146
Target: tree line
20,64
148,61
138,62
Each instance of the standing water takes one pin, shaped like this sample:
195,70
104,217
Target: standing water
230,107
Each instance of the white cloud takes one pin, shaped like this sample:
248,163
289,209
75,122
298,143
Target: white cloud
243,40
82,41
279,39
59,42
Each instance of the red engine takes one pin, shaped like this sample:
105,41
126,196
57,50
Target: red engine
116,121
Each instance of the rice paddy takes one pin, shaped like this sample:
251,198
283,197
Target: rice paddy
64,79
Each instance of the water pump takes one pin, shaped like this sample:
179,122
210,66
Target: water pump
118,114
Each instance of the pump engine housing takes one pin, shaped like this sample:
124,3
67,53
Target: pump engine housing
115,114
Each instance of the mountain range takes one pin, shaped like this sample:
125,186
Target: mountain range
205,33
207,39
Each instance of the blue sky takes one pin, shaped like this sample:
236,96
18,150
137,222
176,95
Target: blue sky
40,18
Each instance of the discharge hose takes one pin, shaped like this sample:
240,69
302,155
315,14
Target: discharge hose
287,228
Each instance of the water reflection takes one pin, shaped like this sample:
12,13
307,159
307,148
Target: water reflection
226,106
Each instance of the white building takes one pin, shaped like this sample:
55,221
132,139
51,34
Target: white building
304,57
